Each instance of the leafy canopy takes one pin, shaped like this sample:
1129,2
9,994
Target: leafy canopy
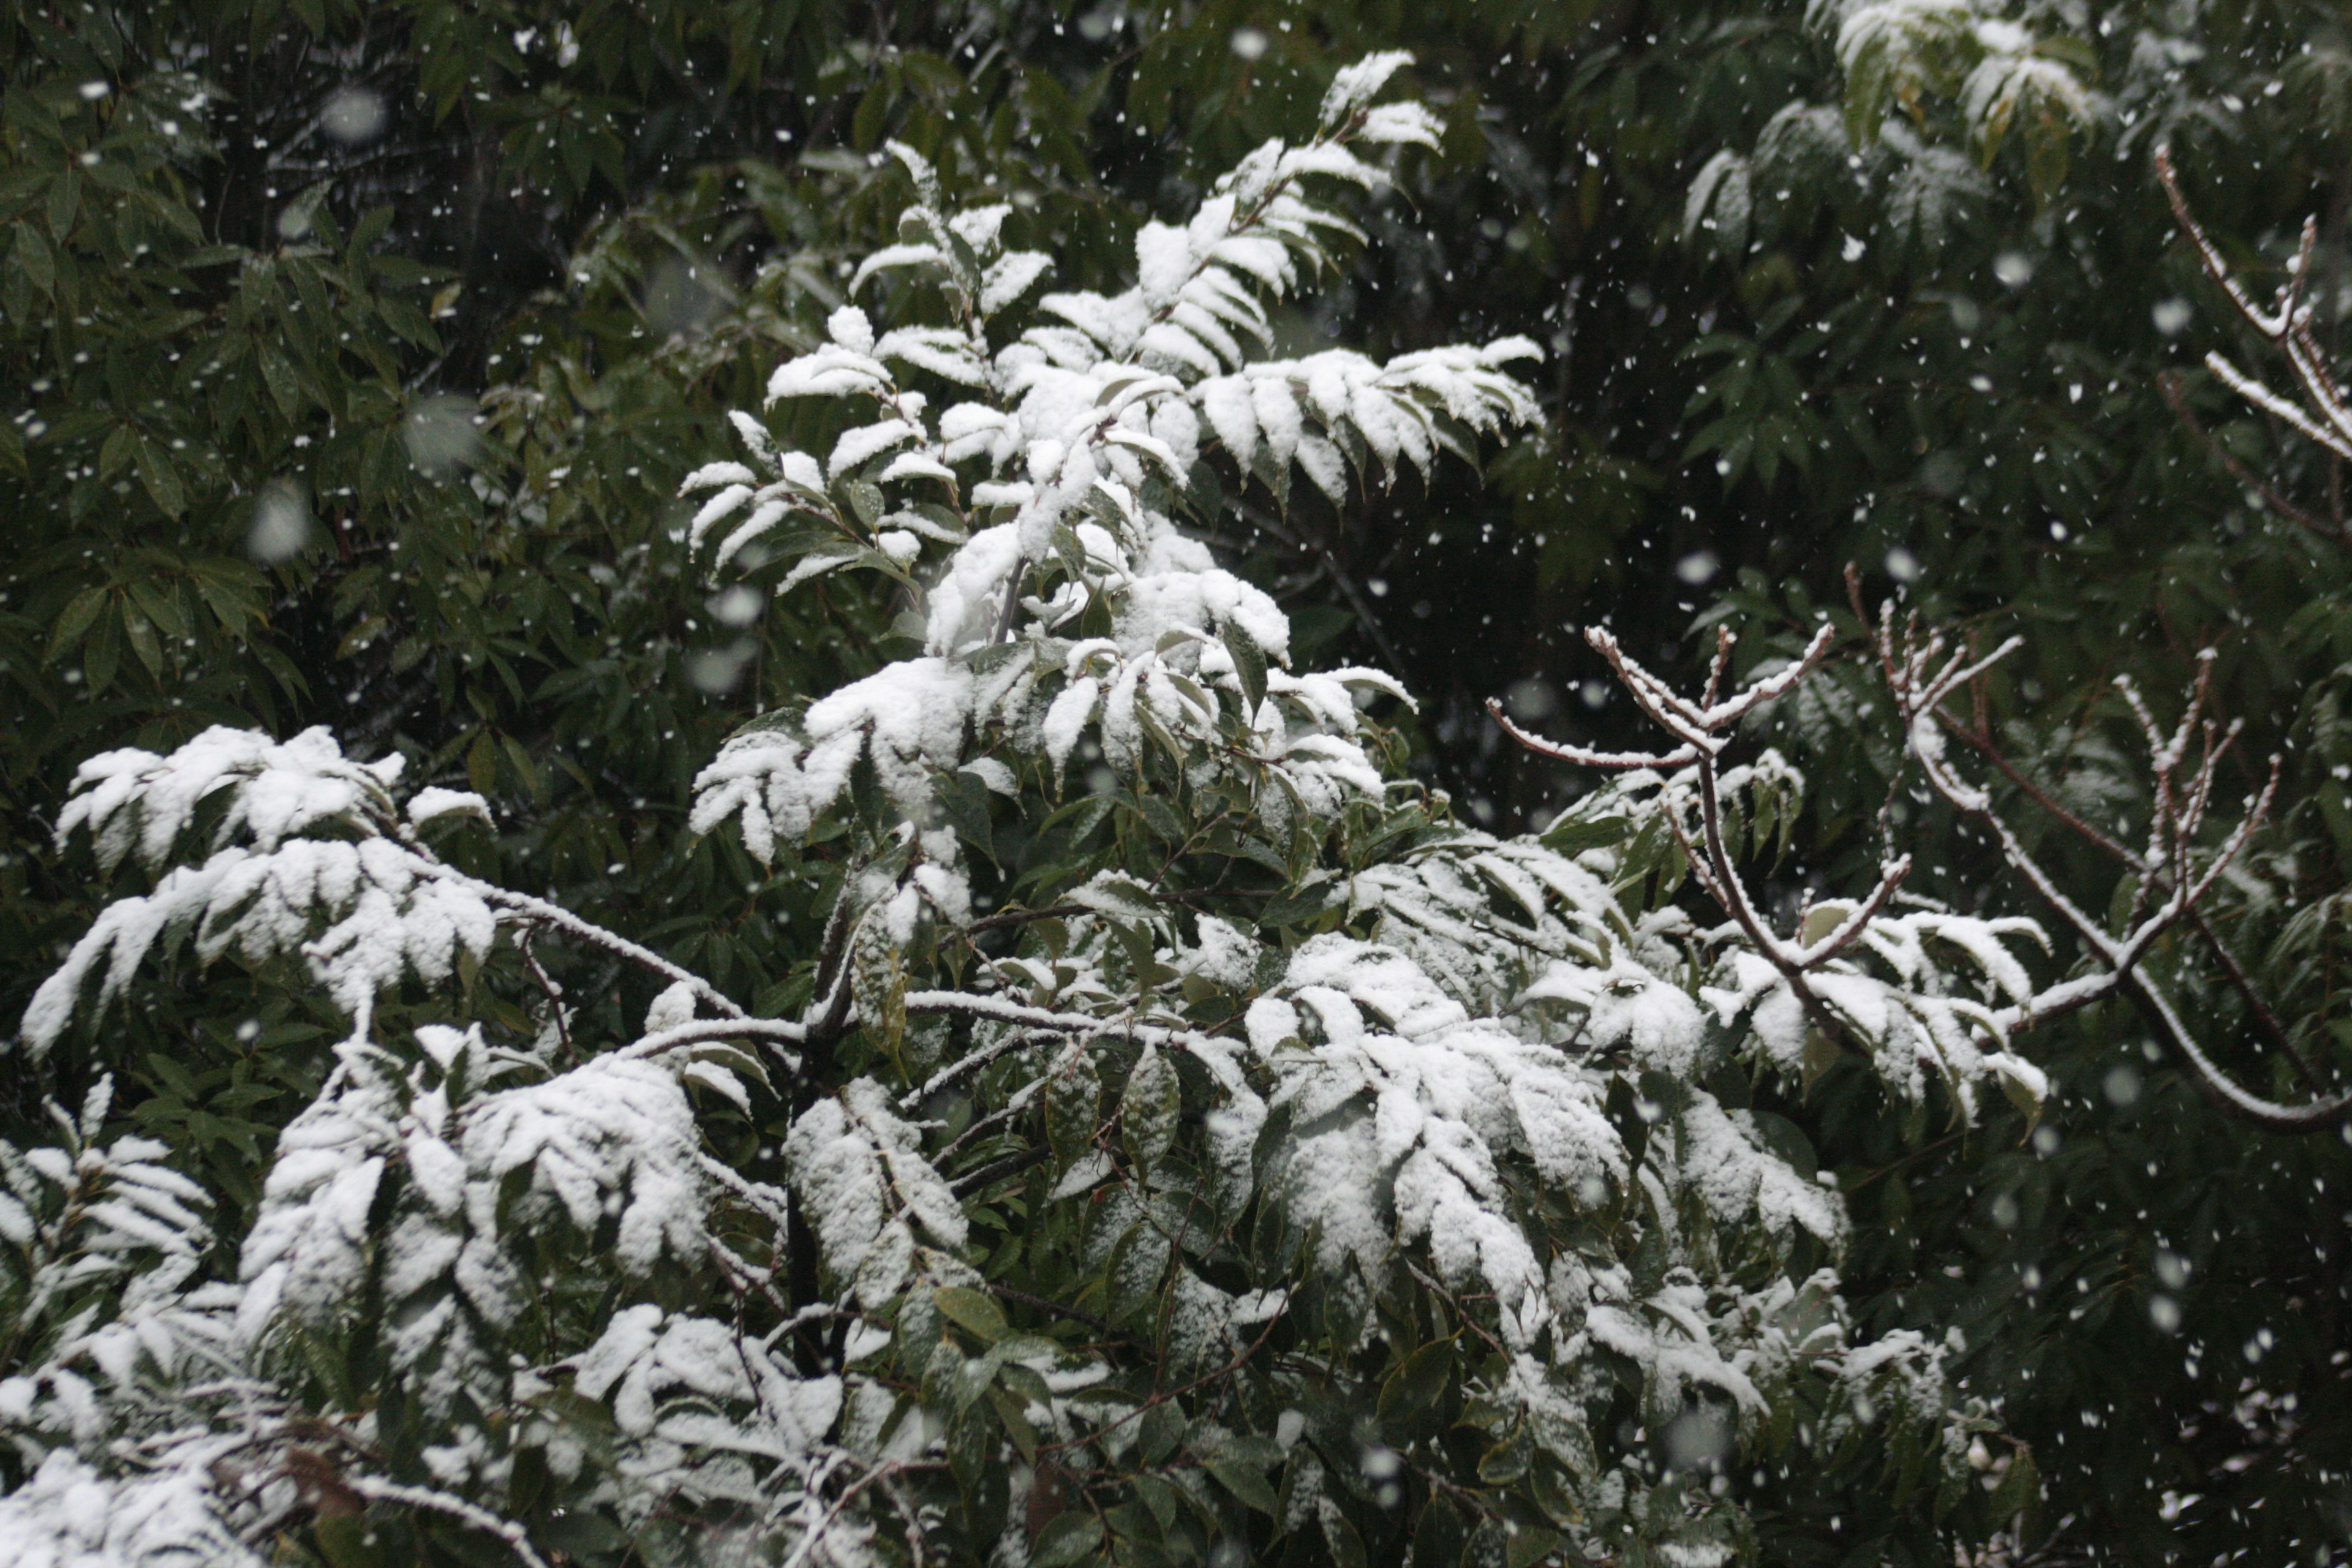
1192,1138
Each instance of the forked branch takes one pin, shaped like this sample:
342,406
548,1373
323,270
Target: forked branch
2324,414
1922,670
1703,729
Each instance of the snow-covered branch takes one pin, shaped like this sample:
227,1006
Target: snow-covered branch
2325,415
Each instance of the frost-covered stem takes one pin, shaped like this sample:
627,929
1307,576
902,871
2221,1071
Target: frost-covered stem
2258,810
1733,896
1004,918
1700,724
743,1275
1680,757
2302,352
1010,1111
557,917
1006,1012
972,1061
2218,1089
1700,728
2272,326
769,1201
1890,877
456,1508
828,1013
1716,666
995,1170
701,1030
815,1312
909,1517
2271,402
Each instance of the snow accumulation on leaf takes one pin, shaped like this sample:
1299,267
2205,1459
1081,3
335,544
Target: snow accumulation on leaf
704,1415
327,872
71,1515
868,1191
135,803
361,915
1405,1095
1046,495
609,1151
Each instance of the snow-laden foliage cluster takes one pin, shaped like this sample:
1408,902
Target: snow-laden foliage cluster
1192,1138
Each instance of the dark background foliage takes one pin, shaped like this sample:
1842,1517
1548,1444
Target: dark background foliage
354,351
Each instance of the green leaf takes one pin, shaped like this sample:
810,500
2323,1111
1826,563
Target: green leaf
1245,1483
1068,1538
1249,663
1148,1110
1526,1546
115,454
1159,1430
74,619
1346,1546
64,199
1009,1409
1571,835
163,481
140,632
1160,1498
1073,1108
2020,1490
33,256
160,603
1506,1461
965,800
525,768
1565,1438
482,764
974,1311
278,374
1417,1382
101,653
1118,895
